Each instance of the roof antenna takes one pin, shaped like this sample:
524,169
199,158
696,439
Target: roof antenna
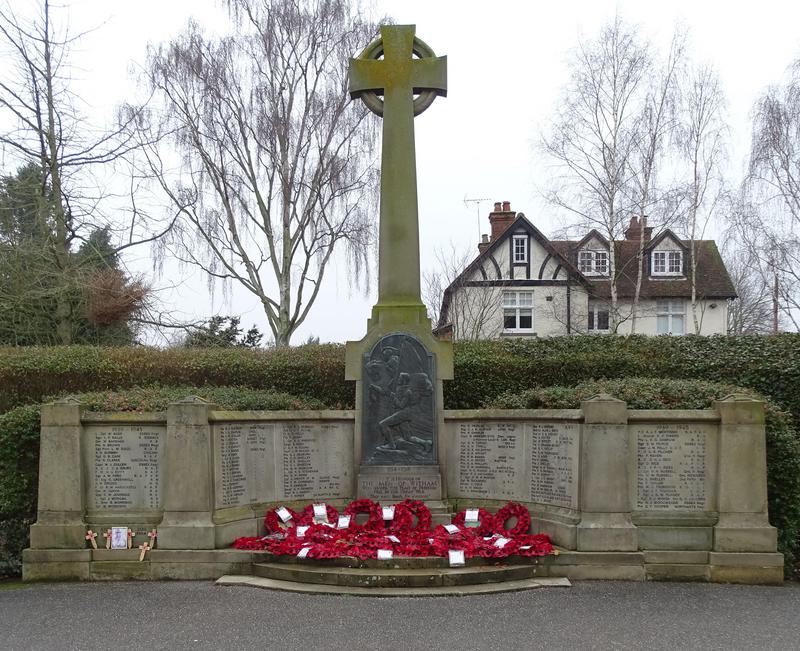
477,203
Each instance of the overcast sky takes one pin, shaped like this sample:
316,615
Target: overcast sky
506,68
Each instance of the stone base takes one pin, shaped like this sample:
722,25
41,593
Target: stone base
159,564
186,530
396,483
607,532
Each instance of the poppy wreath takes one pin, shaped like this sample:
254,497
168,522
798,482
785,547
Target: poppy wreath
537,545
250,543
307,515
488,549
512,510
486,522
401,522
364,506
423,513
272,521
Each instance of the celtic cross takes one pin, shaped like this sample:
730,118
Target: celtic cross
398,76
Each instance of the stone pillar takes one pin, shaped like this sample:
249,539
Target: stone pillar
188,477
59,519
743,525
604,489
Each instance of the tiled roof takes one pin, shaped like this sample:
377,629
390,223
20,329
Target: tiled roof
713,280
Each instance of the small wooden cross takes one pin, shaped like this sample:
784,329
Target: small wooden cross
152,535
143,548
91,536
131,534
107,536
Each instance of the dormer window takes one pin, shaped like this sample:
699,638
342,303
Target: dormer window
593,263
520,249
667,263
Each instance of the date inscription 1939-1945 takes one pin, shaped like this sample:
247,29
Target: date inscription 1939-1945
399,401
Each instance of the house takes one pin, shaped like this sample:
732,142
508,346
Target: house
523,284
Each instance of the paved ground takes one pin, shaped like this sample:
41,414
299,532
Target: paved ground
590,615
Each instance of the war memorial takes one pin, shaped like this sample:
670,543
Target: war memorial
620,493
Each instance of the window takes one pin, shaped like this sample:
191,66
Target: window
670,316
598,317
593,263
520,248
668,263
517,311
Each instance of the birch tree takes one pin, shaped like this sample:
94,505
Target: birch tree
275,165
594,136
702,148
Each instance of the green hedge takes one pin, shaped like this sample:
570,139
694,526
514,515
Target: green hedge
19,446
483,370
783,442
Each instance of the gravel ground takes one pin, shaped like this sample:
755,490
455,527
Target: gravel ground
590,615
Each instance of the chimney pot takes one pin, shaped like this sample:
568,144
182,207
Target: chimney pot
485,238
506,206
497,206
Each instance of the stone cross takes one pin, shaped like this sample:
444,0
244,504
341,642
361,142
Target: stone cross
398,77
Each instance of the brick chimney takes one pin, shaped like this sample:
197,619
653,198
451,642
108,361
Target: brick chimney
634,231
501,218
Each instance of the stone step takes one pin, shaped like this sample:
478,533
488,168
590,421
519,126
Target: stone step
398,562
434,591
389,577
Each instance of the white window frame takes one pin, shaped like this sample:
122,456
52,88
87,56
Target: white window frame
512,301
666,262
594,311
522,239
669,309
591,256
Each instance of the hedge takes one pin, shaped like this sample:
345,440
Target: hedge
19,446
19,439
483,370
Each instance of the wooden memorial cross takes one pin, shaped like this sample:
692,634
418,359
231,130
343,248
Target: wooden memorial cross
143,549
91,536
107,536
398,77
152,536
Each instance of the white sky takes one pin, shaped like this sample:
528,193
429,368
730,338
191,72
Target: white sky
506,67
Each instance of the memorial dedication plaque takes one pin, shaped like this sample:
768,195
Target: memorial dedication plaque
672,467
124,467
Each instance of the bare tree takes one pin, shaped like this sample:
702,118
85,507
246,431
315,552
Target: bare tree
46,129
595,134
657,123
275,169
772,230
471,310
702,148
751,312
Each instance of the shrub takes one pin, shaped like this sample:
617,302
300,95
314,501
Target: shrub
783,443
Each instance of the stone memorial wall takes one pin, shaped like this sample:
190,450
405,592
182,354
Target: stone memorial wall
597,479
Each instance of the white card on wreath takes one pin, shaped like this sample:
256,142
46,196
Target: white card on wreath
451,528
388,512
394,539
321,512
283,514
471,515
501,542
303,552
119,537
344,522
384,554
456,557
301,531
